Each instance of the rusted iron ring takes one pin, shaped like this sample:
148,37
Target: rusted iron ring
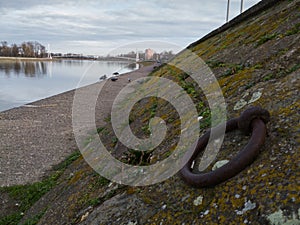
253,120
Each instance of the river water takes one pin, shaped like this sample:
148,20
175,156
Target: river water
22,82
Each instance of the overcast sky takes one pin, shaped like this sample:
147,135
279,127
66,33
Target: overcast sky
99,27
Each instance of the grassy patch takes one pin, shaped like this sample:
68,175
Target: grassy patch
268,77
100,181
94,202
63,165
249,85
215,64
205,122
281,73
232,69
107,119
114,140
294,30
263,39
153,109
100,129
34,220
27,195
294,68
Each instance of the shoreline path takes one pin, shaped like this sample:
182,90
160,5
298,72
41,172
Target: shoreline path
36,136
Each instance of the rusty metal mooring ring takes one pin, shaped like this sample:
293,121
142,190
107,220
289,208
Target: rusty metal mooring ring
253,121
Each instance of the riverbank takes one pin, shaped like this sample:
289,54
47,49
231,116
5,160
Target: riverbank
36,136
25,59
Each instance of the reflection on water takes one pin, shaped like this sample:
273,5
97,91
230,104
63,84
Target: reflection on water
29,69
71,62
22,82
39,68
132,66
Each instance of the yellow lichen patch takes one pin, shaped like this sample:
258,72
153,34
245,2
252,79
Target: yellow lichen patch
78,175
246,33
131,190
230,84
205,51
289,109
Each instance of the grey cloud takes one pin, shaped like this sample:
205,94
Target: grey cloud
23,4
110,21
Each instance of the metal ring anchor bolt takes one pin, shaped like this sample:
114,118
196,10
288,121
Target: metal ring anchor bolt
253,120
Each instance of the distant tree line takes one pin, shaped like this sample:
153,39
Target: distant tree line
26,49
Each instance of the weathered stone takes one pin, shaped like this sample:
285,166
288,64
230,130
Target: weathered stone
128,208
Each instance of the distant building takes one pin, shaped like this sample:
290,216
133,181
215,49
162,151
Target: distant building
149,54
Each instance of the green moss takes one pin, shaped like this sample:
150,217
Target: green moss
282,72
294,30
266,37
100,181
70,159
94,202
230,84
11,219
233,69
107,119
35,219
100,129
28,194
293,68
268,77
205,122
215,64
114,140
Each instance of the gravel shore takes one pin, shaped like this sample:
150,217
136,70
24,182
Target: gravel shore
36,136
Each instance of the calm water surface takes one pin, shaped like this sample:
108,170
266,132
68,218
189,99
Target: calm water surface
24,82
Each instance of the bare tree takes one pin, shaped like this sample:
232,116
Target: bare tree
26,49
14,50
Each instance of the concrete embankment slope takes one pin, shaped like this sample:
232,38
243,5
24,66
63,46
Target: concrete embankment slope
250,13
38,135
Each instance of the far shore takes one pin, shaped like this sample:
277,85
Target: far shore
2,58
6,58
